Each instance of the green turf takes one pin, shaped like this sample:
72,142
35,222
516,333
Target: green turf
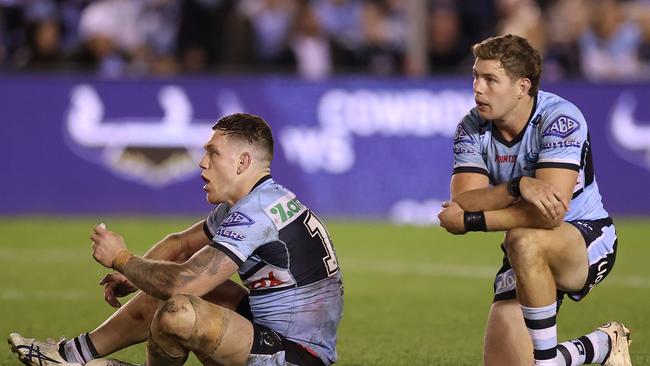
413,296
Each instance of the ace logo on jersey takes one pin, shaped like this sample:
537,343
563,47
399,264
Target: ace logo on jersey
562,127
462,135
237,219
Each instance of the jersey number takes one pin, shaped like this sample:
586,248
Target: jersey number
316,227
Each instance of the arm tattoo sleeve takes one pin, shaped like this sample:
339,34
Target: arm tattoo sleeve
163,279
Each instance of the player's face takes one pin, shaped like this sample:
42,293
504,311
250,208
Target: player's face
219,168
495,93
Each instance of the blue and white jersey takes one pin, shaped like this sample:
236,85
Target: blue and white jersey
287,261
556,136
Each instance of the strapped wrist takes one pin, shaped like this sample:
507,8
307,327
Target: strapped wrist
120,259
474,221
513,187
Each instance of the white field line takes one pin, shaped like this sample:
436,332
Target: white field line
349,266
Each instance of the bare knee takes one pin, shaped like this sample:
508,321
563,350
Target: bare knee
524,247
187,322
176,318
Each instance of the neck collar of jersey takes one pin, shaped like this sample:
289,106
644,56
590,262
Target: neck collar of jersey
262,180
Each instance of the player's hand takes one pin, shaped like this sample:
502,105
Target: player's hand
106,245
451,218
544,196
116,285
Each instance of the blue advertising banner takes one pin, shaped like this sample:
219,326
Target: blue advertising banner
348,147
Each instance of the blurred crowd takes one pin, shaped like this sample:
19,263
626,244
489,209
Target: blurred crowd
593,39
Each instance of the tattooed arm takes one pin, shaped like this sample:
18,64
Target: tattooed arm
204,271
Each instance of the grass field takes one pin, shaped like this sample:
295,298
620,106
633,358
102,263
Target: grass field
413,296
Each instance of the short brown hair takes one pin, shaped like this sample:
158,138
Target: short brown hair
516,55
248,127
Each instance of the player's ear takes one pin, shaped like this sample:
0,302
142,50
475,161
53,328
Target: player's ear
524,87
244,162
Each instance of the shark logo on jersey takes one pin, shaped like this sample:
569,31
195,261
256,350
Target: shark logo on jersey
562,127
462,135
530,160
156,151
237,219
531,157
630,137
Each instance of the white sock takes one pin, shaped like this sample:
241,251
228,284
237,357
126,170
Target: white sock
592,348
79,349
543,332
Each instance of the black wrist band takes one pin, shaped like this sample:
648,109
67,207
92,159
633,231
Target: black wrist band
513,187
474,221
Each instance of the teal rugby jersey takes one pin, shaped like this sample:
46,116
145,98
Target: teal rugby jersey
556,136
287,261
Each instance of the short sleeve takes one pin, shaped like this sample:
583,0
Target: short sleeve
213,221
242,231
467,150
562,138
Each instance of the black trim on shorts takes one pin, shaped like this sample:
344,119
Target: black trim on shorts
586,235
587,228
577,193
505,266
244,309
266,341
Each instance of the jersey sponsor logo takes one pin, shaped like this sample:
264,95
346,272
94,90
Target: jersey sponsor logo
561,144
228,233
462,135
462,150
562,127
237,219
505,281
283,211
602,272
269,277
502,159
